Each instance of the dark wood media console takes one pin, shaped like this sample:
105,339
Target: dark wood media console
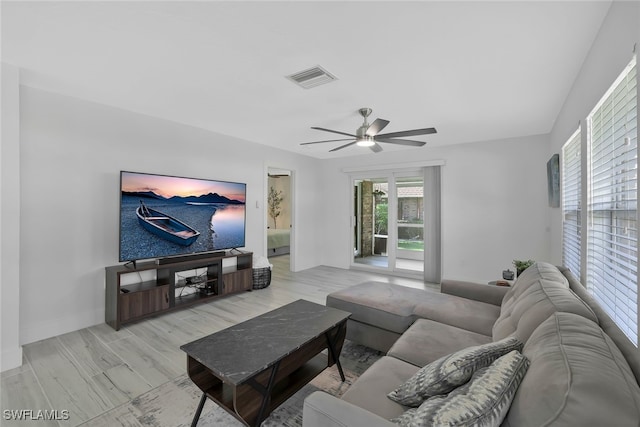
129,302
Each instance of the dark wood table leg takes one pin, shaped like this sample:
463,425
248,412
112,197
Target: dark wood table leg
196,417
332,349
265,392
267,397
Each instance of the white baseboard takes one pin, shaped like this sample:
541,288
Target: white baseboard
10,359
68,322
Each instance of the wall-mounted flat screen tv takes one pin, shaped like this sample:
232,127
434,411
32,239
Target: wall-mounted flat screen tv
163,216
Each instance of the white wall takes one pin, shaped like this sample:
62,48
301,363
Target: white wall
72,153
611,52
10,350
494,204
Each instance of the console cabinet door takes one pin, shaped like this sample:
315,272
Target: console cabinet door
136,304
241,280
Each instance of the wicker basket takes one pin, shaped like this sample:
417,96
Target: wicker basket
261,277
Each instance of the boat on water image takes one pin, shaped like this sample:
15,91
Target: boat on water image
165,226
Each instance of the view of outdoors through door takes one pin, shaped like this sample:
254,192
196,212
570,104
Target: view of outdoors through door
389,223
410,223
371,225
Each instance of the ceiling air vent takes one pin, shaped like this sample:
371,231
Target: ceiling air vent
312,77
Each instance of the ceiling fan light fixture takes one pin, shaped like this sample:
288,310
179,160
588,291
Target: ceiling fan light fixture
365,141
368,135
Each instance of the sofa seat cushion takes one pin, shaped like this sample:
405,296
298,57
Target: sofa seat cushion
474,316
577,377
323,410
371,389
395,307
535,299
448,372
426,341
482,402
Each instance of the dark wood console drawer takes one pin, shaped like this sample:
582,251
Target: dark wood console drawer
136,304
236,281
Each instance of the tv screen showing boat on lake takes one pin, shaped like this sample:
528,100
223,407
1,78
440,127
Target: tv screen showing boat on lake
163,216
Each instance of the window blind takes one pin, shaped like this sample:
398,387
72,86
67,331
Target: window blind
571,203
612,243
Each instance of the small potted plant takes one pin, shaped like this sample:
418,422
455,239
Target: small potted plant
522,265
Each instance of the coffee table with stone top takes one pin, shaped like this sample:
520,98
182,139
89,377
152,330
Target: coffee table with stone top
251,368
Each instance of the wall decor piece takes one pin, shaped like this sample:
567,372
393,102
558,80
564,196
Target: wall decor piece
553,180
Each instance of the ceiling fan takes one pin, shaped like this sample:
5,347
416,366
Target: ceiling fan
368,135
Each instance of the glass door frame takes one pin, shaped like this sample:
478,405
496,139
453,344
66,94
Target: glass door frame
392,220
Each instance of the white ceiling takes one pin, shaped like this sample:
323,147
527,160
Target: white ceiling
474,70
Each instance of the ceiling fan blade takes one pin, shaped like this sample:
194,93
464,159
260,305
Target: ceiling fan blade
343,146
425,131
400,141
328,140
376,127
376,148
333,131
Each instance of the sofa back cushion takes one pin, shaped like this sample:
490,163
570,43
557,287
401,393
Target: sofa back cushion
539,270
627,348
539,292
577,377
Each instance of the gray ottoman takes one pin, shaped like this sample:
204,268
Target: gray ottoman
381,312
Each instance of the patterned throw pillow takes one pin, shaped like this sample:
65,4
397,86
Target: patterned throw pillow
482,402
443,375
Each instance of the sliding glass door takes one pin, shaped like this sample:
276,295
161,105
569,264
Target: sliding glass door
391,218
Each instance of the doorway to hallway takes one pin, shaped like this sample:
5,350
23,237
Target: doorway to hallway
279,214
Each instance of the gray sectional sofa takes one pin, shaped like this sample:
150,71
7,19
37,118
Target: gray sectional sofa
583,370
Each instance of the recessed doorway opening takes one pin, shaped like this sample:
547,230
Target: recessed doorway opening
279,217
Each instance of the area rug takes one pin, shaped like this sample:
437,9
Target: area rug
355,359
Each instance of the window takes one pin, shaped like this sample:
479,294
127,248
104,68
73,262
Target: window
571,203
612,233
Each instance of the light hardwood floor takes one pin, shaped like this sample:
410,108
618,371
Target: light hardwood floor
98,371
